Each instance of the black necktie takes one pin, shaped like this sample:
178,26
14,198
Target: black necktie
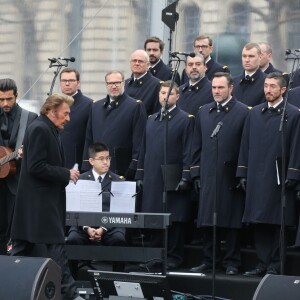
100,178
162,116
247,78
219,107
111,105
272,109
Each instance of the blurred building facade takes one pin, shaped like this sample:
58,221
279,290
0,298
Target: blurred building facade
101,34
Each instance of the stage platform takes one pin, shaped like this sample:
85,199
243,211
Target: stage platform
236,287
182,282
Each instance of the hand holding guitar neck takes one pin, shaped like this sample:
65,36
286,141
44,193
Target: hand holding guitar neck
20,152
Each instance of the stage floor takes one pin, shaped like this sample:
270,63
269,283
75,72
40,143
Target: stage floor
227,287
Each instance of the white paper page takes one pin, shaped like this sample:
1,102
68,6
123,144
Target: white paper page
122,199
84,196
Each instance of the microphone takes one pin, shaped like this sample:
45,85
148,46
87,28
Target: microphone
71,59
216,130
192,54
53,60
288,51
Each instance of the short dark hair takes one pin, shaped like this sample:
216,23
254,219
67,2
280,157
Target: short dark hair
223,74
7,84
70,70
168,84
279,77
197,54
95,148
155,39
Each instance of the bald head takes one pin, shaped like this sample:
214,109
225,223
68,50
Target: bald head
266,55
139,62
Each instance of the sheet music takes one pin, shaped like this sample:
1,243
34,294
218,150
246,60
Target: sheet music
84,196
123,199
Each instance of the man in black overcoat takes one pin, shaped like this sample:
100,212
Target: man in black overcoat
154,47
100,160
265,61
260,170
73,135
38,227
249,86
142,85
150,173
118,121
266,56
197,91
204,45
10,134
214,163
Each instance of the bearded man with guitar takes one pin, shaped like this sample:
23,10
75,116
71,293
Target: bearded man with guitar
13,122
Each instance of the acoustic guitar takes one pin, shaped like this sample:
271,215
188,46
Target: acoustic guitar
7,165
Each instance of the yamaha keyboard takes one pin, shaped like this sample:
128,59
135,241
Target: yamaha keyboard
128,220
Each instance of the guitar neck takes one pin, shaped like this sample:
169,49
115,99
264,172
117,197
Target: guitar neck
8,157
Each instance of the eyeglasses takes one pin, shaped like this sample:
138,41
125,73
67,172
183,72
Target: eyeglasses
68,80
201,46
102,159
116,83
138,61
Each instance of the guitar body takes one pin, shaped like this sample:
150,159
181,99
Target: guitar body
8,168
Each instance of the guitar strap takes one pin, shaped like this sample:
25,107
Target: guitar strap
22,128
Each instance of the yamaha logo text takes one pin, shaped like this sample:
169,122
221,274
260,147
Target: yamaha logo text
116,220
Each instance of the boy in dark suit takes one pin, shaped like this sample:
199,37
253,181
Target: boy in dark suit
100,160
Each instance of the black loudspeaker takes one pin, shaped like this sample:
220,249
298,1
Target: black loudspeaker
278,287
29,278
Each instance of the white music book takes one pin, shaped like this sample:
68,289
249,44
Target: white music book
86,196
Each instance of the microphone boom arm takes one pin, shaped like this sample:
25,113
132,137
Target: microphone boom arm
55,62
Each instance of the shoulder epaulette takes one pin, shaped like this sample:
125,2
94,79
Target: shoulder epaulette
191,116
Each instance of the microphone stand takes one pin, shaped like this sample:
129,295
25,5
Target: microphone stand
282,130
165,113
215,213
58,64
